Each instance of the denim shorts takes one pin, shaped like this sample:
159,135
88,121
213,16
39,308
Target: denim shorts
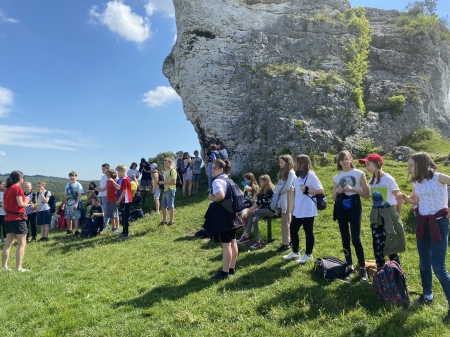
157,193
72,214
195,177
43,218
168,199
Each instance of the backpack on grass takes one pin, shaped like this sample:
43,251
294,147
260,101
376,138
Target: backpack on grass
390,284
87,227
330,268
136,214
234,200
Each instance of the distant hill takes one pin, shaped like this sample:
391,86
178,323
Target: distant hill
54,184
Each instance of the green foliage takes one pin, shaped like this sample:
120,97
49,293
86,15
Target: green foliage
301,126
285,150
366,146
420,18
336,19
396,103
326,80
409,88
276,69
357,52
159,159
428,140
321,159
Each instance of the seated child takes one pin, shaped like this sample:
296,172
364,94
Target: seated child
97,214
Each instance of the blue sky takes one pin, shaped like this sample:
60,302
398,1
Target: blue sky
81,84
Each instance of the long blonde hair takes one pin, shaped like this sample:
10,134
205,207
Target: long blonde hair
253,184
268,186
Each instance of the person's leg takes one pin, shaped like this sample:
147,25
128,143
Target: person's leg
308,227
22,242
209,175
103,203
378,242
76,223
157,205
355,229
343,218
226,256
438,257
44,231
259,214
6,248
33,225
248,230
285,223
171,206
294,228
234,254
183,188
164,205
125,218
2,224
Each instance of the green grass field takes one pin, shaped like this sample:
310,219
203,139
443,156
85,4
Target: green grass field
158,284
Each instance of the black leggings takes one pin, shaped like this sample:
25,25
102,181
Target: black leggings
379,240
352,216
31,223
2,225
308,224
125,209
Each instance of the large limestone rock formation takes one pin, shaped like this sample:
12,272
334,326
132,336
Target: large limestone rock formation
255,75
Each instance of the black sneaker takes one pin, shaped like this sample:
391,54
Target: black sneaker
282,249
363,275
201,233
76,233
220,276
231,271
349,274
422,300
69,232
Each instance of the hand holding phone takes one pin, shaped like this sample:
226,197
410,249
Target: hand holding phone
244,183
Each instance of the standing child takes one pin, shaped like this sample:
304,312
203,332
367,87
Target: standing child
196,170
72,198
432,214
284,192
387,229
212,155
2,213
102,192
349,186
168,199
124,200
307,185
111,209
43,209
187,175
156,190
30,210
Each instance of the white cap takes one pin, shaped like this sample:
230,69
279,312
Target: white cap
153,166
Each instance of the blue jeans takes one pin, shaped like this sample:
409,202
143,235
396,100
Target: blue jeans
433,254
209,175
168,199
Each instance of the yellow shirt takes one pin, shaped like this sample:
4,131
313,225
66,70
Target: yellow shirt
170,174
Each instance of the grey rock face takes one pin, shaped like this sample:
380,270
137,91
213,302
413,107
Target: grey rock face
232,65
402,153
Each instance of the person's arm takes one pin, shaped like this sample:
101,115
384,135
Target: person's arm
444,179
314,182
21,202
220,195
169,182
410,199
364,191
397,196
122,195
116,186
336,190
94,215
41,192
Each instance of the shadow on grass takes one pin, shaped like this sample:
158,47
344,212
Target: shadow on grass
394,326
167,292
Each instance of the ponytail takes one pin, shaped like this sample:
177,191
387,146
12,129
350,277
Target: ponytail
223,164
13,178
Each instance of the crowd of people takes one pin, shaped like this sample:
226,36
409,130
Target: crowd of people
293,199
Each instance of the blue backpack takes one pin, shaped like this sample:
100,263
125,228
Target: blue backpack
234,200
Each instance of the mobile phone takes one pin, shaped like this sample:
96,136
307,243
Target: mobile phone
244,183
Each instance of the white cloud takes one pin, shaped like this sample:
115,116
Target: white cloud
2,153
165,6
6,101
4,17
41,138
160,96
121,20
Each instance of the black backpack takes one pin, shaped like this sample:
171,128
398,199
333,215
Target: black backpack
330,268
87,227
52,204
136,214
161,178
234,200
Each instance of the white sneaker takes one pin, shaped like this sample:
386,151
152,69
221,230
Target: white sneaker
291,256
305,258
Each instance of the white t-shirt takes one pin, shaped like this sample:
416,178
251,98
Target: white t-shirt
219,184
381,193
2,211
351,178
304,206
42,205
103,181
131,172
433,195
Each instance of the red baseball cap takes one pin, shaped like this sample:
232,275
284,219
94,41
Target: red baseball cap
371,157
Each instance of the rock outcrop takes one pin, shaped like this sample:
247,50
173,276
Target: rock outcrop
269,76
